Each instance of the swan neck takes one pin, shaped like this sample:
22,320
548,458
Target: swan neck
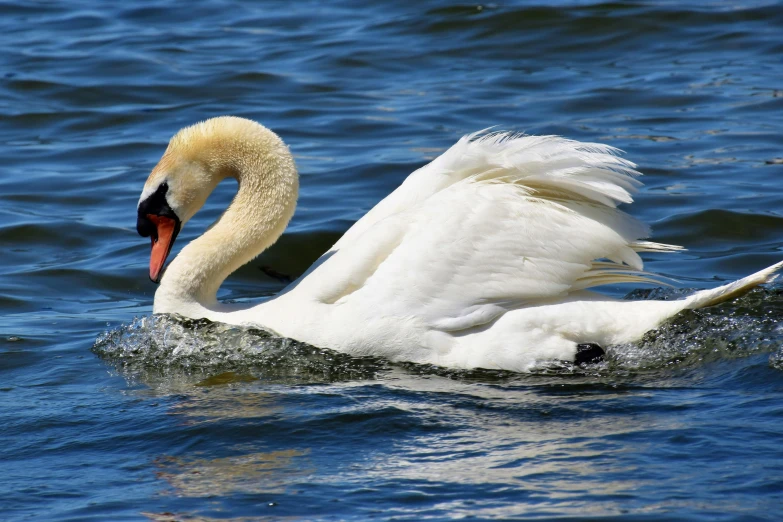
259,213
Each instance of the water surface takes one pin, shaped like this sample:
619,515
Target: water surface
108,413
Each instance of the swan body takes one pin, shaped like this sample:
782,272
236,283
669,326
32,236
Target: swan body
482,258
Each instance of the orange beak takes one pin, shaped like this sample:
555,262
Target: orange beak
167,230
157,221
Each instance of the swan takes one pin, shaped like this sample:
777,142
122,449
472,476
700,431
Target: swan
481,259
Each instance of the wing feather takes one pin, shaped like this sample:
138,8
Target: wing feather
497,222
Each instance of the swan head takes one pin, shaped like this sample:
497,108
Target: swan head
196,160
158,221
176,189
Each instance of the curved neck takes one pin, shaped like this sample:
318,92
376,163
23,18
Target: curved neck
257,216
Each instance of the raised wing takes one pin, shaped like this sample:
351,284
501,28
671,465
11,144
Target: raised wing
497,222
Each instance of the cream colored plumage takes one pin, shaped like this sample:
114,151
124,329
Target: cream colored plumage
481,258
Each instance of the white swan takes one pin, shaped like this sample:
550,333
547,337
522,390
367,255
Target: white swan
480,259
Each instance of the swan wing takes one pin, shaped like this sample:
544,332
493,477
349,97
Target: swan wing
498,222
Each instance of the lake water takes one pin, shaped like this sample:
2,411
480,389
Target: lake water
108,413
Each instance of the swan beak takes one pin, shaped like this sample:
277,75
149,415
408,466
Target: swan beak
162,231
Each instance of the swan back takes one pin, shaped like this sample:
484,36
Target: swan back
200,156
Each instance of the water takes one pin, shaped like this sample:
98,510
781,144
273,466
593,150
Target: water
108,413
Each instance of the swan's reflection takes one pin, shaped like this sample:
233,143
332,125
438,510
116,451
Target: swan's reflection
506,449
283,426
246,473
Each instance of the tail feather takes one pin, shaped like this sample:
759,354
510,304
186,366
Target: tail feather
733,290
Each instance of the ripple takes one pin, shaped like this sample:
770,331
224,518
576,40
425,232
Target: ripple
746,326
197,420
201,351
162,345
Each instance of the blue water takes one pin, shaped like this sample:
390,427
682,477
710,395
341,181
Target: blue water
109,413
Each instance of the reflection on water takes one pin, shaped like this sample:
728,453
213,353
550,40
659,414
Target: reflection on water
557,436
265,473
541,444
223,403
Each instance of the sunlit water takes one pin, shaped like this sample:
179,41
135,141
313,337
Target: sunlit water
110,413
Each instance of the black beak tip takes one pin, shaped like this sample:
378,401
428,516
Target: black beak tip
145,227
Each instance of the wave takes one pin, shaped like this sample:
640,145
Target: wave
159,347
